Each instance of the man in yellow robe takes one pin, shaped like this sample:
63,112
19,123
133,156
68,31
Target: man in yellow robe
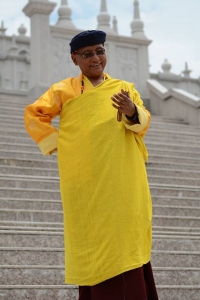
103,182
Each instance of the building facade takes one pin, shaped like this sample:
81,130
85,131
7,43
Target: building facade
29,65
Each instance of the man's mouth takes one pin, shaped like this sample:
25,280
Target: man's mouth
96,65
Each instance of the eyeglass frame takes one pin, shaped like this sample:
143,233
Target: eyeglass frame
92,52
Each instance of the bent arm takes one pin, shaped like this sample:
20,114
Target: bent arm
143,116
38,117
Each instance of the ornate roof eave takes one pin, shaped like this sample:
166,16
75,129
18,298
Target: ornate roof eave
129,39
65,31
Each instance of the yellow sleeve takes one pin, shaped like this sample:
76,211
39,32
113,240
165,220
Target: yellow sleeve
38,117
143,115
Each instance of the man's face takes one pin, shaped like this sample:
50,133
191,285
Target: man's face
91,60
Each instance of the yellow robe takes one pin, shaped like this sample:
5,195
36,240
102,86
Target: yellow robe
103,181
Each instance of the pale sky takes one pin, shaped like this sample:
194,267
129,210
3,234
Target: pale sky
172,25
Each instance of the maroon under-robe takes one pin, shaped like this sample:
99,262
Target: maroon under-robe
137,284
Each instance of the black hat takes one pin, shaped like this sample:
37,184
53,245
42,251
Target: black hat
87,38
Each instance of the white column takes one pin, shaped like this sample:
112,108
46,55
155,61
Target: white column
39,12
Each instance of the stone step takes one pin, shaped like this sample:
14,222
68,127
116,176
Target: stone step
40,292
152,147
172,172
51,215
31,215
176,242
51,162
190,134
17,140
23,180
12,132
152,144
175,159
55,256
19,147
176,221
25,155
54,275
158,125
49,204
158,121
15,98
164,179
48,168
65,292
174,190
179,292
26,171
182,132
182,201
58,227
32,178
34,216
161,224
29,155
16,110
28,225
183,135
162,119
188,140
19,238
32,256
18,121
18,118
164,190
29,193
31,204
184,259
155,163
26,183
34,149
25,238
175,230
17,124
160,176
172,210
178,232
42,162
173,152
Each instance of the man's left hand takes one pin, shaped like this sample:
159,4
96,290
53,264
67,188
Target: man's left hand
123,103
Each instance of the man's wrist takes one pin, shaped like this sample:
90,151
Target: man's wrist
134,117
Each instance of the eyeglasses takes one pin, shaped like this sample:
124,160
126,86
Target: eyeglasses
89,54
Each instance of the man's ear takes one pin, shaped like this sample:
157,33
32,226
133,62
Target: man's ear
73,57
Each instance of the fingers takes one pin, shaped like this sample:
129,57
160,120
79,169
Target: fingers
120,100
125,93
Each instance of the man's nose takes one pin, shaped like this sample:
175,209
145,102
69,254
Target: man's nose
95,56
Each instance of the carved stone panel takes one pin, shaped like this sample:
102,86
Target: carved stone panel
7,82
63,66
127,64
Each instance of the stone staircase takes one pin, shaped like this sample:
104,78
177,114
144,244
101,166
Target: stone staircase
31,228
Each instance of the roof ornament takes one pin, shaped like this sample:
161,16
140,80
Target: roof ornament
137,25
64,13
186,72
166,66
104,19
2,28
115,28
22,30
